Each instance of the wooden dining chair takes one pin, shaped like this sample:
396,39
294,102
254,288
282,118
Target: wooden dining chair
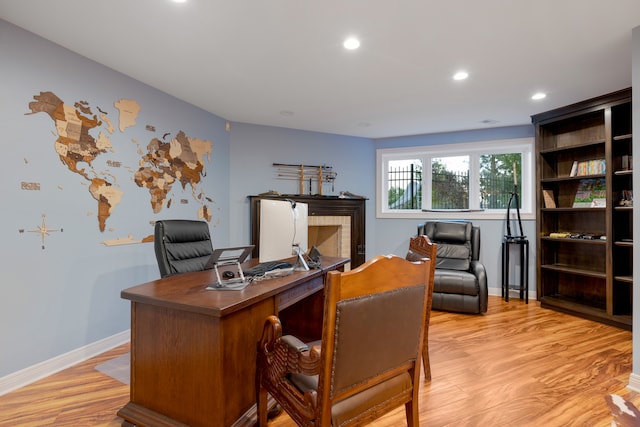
422,247
368,361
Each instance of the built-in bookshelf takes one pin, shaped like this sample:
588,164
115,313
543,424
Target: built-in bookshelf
585,206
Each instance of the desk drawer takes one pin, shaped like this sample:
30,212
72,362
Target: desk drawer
297,293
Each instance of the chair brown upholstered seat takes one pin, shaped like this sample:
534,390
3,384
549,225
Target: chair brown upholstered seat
181,246
460,280
367,362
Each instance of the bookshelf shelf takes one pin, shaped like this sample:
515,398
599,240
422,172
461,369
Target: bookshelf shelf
588,278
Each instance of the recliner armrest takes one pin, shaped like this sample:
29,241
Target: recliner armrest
475,243
480,272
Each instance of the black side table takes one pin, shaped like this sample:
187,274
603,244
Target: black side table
523,246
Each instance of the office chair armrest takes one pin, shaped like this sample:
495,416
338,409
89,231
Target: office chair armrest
286,354
295,343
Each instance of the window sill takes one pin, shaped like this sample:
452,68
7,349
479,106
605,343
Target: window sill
463,214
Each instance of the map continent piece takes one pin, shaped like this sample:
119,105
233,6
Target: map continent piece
107,196
129,110
180,159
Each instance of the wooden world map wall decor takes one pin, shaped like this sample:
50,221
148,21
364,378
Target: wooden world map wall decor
93,145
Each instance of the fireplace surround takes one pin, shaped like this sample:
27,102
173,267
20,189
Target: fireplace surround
336,224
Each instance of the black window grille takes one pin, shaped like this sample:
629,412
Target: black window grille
450,190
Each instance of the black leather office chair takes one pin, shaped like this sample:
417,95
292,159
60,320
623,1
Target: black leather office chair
460,281
182,246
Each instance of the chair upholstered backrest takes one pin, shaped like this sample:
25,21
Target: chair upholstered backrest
373,332
458,243
371,322
181,246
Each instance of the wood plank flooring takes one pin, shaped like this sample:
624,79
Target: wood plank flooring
518,365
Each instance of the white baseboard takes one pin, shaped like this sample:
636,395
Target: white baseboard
48,367
497,292
634,382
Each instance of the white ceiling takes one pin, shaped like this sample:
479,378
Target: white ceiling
251,60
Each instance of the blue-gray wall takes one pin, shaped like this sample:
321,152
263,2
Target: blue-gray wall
255,148
67,296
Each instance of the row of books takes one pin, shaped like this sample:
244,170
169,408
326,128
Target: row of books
588,167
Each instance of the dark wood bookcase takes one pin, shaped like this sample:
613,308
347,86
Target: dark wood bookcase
589,272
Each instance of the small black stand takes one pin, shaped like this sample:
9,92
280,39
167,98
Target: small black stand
523,245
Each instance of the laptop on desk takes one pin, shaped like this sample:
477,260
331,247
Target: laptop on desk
229,256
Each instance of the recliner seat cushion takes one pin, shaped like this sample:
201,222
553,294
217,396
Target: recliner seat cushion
455,282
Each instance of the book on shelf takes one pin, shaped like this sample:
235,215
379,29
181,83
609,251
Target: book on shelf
549,199
574,168
591,193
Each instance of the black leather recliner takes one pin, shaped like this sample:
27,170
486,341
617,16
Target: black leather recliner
460,281
181,246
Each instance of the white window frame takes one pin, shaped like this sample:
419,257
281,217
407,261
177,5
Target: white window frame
474,150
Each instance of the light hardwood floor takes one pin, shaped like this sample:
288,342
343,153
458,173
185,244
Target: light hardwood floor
518,365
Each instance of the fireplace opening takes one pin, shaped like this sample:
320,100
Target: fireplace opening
331,235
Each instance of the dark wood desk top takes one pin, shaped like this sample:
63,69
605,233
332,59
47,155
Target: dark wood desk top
187,291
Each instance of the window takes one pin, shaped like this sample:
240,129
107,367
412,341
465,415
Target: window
457,180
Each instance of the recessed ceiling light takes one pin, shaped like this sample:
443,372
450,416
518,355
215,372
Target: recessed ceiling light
179,1
460,75
538,96
351,43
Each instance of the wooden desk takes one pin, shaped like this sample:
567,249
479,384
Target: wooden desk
193,351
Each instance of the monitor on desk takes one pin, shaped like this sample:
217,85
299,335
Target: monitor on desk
283,228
